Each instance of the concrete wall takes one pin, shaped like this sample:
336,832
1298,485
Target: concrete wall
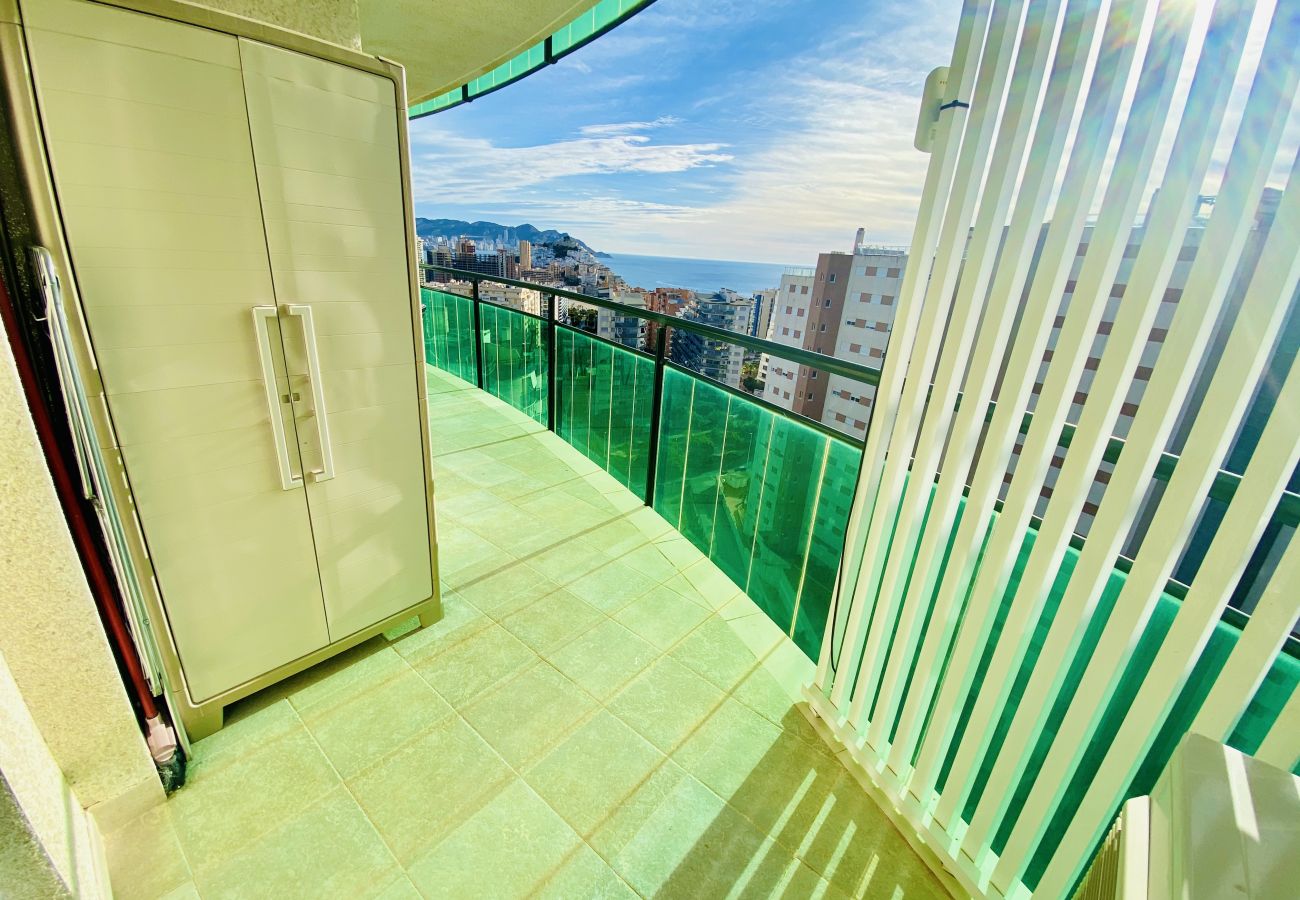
50,633
49,847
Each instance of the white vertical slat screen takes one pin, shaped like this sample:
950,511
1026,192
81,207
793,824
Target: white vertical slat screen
1006,683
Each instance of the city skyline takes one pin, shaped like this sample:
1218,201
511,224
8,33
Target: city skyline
618,143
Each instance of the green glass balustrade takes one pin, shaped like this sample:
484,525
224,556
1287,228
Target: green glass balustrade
515,367
449,333
765,497
603,399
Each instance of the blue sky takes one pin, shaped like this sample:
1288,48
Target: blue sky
738,129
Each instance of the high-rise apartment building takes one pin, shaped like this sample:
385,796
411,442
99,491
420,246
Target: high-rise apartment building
719,360
627,330
866,321
525,255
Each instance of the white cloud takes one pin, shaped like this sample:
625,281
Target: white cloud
836,152
451,168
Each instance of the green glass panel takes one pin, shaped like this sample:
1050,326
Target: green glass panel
600,16
434,104
785,517
827,545
605,395
514,359
674,431
449,333
764,496
521,64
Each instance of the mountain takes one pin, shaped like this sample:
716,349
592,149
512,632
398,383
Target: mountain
485,231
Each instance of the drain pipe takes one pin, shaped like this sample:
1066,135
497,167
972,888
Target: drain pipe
159,735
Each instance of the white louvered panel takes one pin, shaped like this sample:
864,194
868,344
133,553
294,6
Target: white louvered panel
1054,401
1272,619
937,641
1194,319
1064,231
1261,487
1035,190
938,179
961,315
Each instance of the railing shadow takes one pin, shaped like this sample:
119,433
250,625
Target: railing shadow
796,824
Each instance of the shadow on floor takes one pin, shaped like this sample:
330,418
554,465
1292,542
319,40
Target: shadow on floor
795,823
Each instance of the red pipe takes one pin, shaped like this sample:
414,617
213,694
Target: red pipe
101,586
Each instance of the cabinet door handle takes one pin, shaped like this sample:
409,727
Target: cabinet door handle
326,471
288,480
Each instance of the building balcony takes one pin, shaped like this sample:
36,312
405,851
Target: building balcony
601,712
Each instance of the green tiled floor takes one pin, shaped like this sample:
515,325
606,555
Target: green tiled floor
599,714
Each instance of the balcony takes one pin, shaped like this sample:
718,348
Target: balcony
600,712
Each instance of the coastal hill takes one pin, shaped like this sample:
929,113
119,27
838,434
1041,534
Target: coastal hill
491,231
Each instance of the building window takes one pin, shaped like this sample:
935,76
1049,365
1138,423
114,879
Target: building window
840,417
789,309
855,348
814,374
876,352
823,326
800,312
785,331
886,299
892,273
810,396
798,333
791,291
864,297
828,303
803,289
869,270
786,394
859,424
832,279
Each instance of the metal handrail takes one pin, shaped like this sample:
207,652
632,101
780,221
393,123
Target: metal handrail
1224,486
799,355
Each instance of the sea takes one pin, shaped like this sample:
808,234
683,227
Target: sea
696,274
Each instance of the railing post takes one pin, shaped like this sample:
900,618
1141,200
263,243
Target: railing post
478,335
552,376
652,463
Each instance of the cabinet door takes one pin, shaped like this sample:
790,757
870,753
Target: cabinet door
148,135
325,138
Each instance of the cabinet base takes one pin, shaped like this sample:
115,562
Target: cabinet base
203,719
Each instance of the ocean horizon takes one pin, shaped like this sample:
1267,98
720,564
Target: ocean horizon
694,274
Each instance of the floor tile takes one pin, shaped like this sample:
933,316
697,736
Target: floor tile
357,733
505,850
585,876
649,560
715,651
676,838
602,660
340,679
221,810
462,673
328,850
587,776
661,616
460,619
526,716
508,590
429,786
665,703
612,586
552,621
782,785
579,557
145,857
